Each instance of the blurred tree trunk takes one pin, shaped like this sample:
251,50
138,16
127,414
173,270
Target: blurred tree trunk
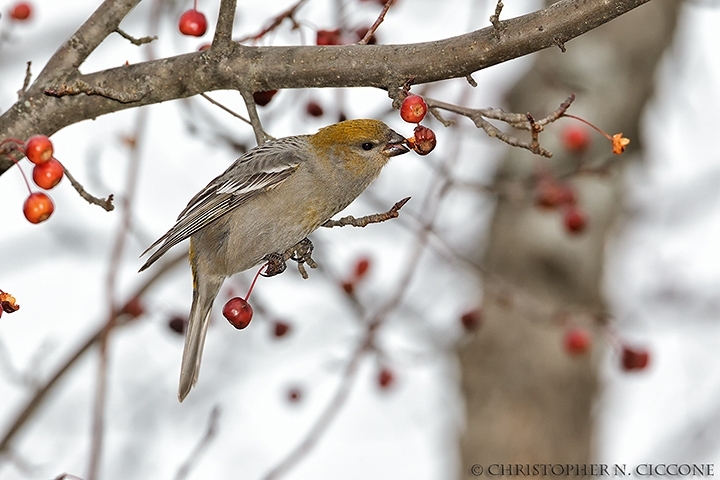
527,400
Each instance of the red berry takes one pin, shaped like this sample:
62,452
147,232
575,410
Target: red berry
349,287
328,37
385,378
178,324
575,139
361,268
575,220
294,394
471,320
424,140
47,175
263,98
21,11
38,207
238,312
38,149
634,359
134,308
577,341
192,23
551,194
413,109
204,46
281,329
314,109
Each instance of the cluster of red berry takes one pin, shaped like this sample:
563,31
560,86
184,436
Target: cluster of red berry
47,173
577,341
413,110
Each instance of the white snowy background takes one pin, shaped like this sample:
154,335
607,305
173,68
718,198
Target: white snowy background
663,275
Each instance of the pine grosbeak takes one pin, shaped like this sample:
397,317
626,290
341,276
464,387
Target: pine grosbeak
270,199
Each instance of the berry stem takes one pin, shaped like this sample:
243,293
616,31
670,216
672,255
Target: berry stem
597,129
252,285
27,184
195,8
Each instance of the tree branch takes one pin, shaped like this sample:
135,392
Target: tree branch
255,69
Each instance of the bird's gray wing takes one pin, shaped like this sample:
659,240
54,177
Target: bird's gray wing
259,170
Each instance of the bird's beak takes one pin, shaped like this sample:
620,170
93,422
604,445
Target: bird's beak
396,146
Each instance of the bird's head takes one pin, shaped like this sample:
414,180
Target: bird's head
359,141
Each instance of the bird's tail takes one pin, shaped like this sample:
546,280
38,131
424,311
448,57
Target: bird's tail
205,289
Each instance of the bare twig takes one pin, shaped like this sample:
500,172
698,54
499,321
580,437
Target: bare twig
26,81
276,22
194,456
520,121
495,18
394,212
223,107
106,203
80,86
377,23
133,40
260,135
133,167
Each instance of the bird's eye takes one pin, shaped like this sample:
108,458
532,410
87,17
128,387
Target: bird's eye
367,146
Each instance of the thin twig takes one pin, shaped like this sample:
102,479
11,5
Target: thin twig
133,40
197,452
276,22
80,86
377,23
98,427
260,135
394,212
519,121
223,107
26,81
495,18
106,203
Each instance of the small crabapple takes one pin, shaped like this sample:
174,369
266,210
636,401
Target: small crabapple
192,23
238,312
177,324
575,220
361,267
21,11
280,328
471,320
328,37
413,109
38,149
576,341
634,359
263,98
385,378
314,109
575,139
424,140
48,174
38,207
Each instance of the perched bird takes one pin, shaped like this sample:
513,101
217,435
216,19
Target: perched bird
270,199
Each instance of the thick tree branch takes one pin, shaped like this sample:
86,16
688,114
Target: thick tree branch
254,69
